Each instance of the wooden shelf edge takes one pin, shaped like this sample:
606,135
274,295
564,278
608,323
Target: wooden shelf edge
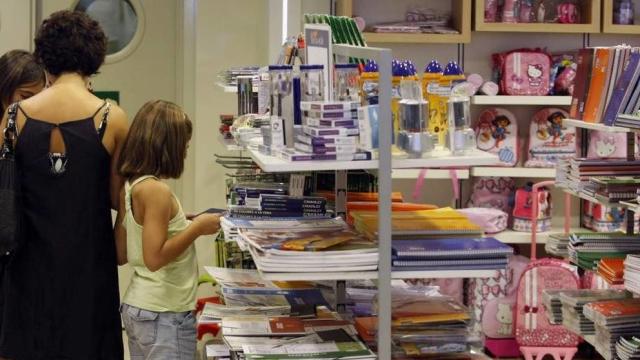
421,38
537,27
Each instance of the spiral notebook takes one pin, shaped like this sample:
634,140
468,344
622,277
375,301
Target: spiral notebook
450,249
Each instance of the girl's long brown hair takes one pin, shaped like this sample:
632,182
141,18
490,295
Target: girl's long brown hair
157,142
17,68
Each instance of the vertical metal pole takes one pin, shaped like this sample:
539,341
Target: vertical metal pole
384,208
341,296
341,210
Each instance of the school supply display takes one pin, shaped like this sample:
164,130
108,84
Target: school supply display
611,270
523,72
587,249
497,133
607,145
631,273
628,347
613,319
557,245
461,136
573,302
373,206
613,189
457,253
549,139
553,305
522,211
492,221
575,173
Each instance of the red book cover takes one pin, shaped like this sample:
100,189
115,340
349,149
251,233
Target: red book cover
597,87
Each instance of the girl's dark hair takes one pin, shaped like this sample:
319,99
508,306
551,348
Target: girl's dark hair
499,118
157,142
554,115
17,68
71,41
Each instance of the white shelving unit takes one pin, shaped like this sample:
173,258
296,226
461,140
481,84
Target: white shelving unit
273,164
434,174
631,205
370,275
231,145
516,237
232,89
584,196
594,126
521,100
515,172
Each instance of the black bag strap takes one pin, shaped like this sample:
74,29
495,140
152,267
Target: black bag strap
10,132
103,124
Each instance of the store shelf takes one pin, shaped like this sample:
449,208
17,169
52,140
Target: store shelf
412,174
231,145
590,17
594,126
517,237
440,159
516,172
608,27
631,205
411,38
591,198
521,100
369,275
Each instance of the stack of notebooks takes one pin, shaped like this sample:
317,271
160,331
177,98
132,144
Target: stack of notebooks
587,249
557,245
424,327
613,319
329,132
606,84
355,206
628,348
450,254
229,77
269,206
613,189
232,225
632,273
576,173
573,302
553,305
612,270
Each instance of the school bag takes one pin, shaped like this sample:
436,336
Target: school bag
534,334
607,145
524,72
549,139
523,207
493,192
497,133
493,306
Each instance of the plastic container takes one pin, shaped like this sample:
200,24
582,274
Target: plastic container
461,137
312,82
347,81
369,83
281,77
403,70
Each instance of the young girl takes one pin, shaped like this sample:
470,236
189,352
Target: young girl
157,239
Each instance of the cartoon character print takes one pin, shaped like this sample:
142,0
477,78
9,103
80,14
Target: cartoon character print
534,75
485,138
504,315
555,126
605,147
500,130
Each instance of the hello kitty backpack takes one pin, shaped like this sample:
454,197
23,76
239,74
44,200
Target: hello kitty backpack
497,133
534,334
549,139
524,72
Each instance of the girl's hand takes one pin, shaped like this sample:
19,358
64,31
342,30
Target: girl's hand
207,224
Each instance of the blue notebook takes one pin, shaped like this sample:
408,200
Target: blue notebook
460,248
500,262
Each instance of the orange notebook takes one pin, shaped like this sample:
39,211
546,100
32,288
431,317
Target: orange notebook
367,327
373,206
612,270
597,88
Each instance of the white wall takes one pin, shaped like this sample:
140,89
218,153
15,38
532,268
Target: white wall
16,20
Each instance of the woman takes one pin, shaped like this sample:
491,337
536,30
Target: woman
21,77
61,287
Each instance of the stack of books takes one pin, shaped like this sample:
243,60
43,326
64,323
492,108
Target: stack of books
557,245
576,174
613,189
286,251
231,225
573,302
613,319
268,206
611,270
628,348
632,273
587,249
606,84
553,305
329,132
450,254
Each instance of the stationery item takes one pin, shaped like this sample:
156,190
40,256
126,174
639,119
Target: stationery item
331,115
413,137
245,95
431,92
450,249
497,133
493,192
598,85
330,123
491,220
282,104
369,83
289,155
312,82
297,240
330,131
263,326
573,302
522,211
582,83
329,106
623,89
368,124
347,79
327,350
549,139
327,140
326,149
461,136
373,206
490,88
524,72
611,270
361,196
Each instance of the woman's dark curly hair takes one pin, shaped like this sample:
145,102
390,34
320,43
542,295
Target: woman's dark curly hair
70,41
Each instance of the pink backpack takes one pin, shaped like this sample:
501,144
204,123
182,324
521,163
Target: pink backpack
497,133
523,210
533,329
524,72
493,192
606,145
549,139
